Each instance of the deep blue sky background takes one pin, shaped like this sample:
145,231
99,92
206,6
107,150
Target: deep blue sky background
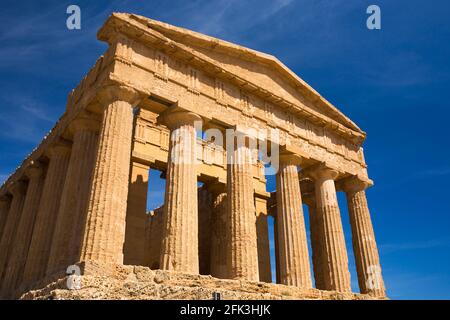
394,83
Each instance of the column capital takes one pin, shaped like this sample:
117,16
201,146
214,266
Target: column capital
61,147
293,153
112,93
17,187
5,197
308,191
287,158
34,170
84,123
306,184
175,117
321,171
354,184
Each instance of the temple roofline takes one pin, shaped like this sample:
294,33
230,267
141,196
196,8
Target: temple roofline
174,33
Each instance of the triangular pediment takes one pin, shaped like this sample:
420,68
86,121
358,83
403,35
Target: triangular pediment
260,69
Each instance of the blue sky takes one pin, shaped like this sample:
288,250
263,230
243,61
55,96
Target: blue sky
393,83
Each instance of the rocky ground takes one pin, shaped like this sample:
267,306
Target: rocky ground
141,283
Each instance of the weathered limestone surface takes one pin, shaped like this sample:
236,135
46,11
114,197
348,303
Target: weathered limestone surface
153,237
141,106
363,239
18,190
5,203
204,230
134,251
309,198
141,283
292,245
104,232
242,254
14,268
336,275
72,208
41,241
315,229
219,233
262,234
179,250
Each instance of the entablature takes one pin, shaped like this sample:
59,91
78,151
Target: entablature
136,35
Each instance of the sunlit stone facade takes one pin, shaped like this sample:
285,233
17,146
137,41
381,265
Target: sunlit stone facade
80,197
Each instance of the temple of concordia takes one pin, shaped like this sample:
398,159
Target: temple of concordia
78,201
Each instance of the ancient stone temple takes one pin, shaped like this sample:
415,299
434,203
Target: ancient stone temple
76,208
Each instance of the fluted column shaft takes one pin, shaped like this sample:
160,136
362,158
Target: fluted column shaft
364,245
133,248
293,245
75,193
242,259
336,275
179,249
14,270
153,238
262,232
44,227
18,191
104,230
315,231
5,203
219,240
204,230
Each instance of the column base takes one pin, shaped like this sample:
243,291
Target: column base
100,282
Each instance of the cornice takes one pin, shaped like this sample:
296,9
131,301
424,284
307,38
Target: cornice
133,27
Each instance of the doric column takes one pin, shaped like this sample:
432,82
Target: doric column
262,235
293,245
242,255
309,199
218,263
336,275
153,238
75,193
41,242
363,238
133,247
5,203
104,229
18,190
14,270
204,230
179,249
